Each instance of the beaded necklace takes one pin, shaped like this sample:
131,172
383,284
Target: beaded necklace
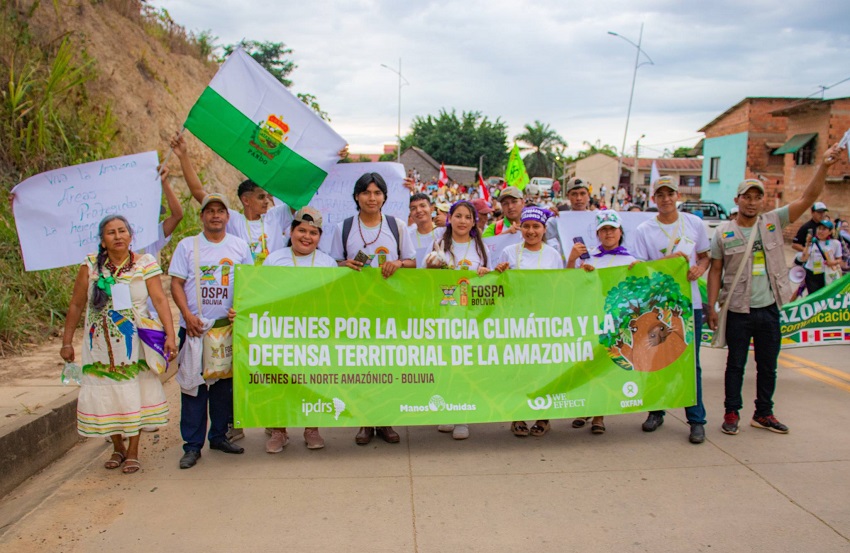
360,228
125,266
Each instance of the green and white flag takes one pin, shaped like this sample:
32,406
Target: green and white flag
250,119
515,174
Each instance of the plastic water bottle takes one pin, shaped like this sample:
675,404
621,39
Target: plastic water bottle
70,372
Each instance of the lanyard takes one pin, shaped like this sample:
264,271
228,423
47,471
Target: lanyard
519,251
418,242
295,260
456,260
675,237
262,240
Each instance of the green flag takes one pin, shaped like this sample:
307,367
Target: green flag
516,174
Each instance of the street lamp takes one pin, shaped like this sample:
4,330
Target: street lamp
400,77
638,63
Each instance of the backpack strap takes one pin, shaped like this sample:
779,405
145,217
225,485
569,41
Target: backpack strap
346,230
391,222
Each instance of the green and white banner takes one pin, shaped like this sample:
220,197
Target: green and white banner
335,347
821,319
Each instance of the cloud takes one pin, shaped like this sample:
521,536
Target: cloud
551,61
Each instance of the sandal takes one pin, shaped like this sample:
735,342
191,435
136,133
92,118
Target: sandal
598,428
131,466
113,463
580,422
519,428
540,428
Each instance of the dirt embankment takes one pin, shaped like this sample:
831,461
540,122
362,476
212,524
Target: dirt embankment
150,89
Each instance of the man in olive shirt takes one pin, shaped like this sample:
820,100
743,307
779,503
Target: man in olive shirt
763,288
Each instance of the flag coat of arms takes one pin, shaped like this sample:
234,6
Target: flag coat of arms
251,120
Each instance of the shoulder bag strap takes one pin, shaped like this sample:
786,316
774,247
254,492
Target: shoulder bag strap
725,307
346,230
198,273
391,222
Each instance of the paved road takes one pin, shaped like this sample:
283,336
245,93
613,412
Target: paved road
568,491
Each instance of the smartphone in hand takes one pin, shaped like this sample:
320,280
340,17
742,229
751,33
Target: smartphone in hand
580,240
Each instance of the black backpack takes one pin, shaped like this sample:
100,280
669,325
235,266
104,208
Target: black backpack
346,230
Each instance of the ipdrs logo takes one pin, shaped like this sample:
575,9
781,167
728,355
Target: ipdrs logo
335,406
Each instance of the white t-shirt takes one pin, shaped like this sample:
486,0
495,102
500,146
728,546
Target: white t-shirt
287,258
154,249
423,243
520,258
687,233
606,261
816,262
216,262
269,230
376,241
462,256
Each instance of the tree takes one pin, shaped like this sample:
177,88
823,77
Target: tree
683,151
596,148
387,157
272,56
461,140
543,140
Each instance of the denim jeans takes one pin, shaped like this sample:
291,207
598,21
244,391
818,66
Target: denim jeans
762,325
695,413
193,411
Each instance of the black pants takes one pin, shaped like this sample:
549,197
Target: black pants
762,326
814,282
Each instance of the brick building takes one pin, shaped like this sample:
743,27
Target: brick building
812,126
739,144
429,168
779,141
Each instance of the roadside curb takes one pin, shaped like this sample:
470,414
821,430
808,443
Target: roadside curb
34,442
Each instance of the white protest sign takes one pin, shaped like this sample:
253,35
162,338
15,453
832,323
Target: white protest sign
57,213
583,223
495,245
335,197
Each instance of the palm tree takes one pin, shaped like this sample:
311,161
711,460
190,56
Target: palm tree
596,148
542,139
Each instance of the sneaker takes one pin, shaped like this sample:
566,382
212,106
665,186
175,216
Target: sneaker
234,434
769,423
313,439
279,439
730,423
460,432
652,422
446,428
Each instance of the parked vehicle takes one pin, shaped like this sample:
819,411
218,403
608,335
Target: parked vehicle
543,184
711,213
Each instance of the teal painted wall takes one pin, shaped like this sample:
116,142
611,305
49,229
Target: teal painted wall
732,151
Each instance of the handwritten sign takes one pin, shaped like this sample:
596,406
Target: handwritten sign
334,198
57,213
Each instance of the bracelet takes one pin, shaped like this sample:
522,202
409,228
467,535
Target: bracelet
66,346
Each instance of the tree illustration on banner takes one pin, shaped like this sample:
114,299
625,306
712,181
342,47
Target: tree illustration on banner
654,322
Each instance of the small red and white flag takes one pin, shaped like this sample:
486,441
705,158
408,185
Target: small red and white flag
444,177
482,189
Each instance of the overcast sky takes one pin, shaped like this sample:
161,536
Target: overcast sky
552,61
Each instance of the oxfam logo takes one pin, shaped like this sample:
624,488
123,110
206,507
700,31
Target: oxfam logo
630,389
437,403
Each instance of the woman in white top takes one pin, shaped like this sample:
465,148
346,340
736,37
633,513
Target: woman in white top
532,253
306,231
820,254
460,248
609,253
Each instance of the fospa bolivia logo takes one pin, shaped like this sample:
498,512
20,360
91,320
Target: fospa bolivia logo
650,315
476,295
270,135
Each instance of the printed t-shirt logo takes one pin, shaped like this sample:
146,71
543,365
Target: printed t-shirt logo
382,255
